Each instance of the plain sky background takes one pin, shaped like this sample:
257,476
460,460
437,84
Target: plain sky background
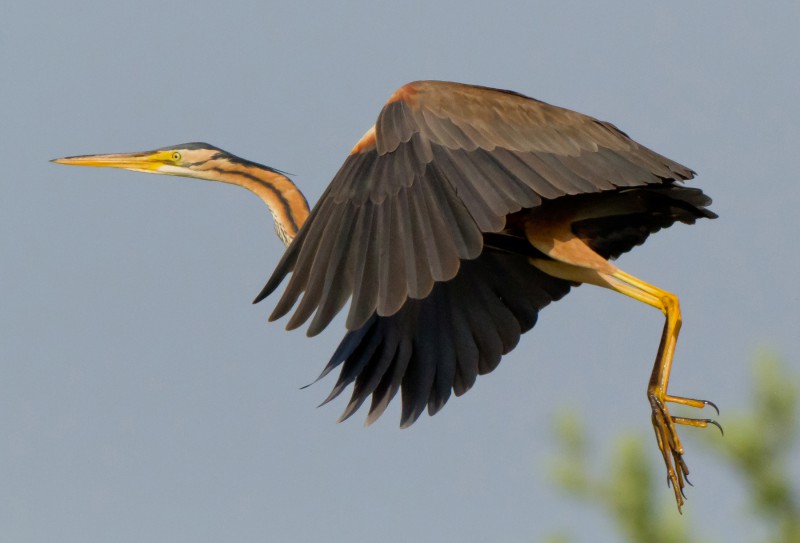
142,397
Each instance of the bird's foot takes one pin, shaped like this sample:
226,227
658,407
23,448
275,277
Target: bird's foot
668,442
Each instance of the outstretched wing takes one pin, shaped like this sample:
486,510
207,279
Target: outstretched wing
440,344
444,163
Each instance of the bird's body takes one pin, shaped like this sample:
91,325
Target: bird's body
457,217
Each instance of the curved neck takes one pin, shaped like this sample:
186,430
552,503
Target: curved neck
287,204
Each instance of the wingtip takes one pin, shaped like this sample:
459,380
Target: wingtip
369,420
263,294
410,417
406,424
333,394
350,410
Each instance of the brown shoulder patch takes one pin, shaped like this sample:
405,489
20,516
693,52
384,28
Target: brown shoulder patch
366,142
404,93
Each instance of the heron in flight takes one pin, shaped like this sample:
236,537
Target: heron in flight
459,215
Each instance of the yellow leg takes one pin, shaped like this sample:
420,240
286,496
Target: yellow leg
663,423
668,304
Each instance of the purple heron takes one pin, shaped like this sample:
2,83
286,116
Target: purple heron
459,215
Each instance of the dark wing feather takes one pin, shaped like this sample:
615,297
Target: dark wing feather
640,212
445,163
440,344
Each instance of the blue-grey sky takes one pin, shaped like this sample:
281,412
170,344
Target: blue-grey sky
143,398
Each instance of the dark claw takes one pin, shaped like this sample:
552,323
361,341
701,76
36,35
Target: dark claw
684,467
712,404
715,423
684,495
688,482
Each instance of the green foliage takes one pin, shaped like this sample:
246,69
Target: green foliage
626,491
757,446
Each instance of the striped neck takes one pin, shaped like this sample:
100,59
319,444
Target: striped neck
287,204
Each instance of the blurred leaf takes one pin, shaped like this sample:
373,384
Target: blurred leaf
758,446
557,538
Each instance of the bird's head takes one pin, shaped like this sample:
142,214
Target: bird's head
187,160
204,161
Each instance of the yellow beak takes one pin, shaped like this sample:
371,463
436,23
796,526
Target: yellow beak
149,161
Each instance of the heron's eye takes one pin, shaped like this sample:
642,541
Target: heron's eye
176,156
